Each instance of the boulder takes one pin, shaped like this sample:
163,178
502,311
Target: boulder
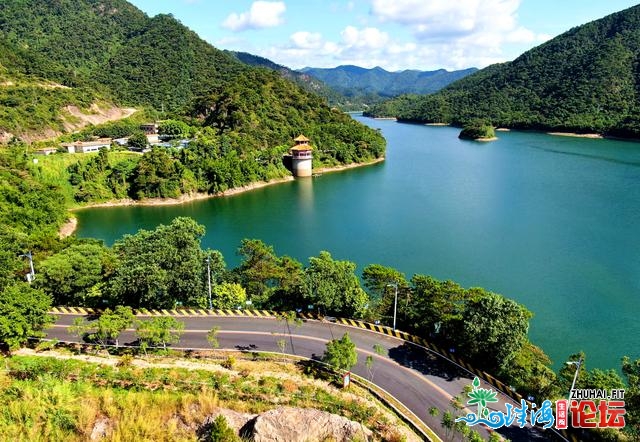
288,424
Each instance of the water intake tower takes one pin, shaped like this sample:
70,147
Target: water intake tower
301,157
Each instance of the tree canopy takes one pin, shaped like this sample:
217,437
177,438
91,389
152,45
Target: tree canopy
69,276
341,353
334,286
159,268
23,314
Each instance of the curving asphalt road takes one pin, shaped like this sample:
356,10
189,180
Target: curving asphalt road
415,376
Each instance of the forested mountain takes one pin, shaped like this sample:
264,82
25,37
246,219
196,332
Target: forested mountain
109,50
348,100
241,119
303,80
585,80
353,81
113,47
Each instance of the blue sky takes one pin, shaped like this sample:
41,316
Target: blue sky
393,34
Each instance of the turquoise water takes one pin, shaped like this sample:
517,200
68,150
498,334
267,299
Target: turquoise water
549,221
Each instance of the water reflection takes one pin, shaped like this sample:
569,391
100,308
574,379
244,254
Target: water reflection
304,192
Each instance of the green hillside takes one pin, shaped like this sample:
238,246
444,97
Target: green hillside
305,81
112,47
585,80
89,53
109,51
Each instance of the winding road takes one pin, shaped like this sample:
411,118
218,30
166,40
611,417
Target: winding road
415,376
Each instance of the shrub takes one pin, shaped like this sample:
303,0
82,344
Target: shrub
229,363
221,432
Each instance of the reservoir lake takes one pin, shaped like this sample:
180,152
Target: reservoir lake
550,221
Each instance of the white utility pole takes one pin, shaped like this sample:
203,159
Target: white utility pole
32,274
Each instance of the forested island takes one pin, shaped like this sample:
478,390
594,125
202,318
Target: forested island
583,81
478,131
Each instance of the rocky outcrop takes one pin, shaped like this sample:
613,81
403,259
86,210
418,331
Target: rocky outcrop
287,424
299,425
101,428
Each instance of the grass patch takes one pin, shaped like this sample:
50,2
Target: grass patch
46,398
52,170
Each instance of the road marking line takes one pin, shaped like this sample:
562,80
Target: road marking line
313,338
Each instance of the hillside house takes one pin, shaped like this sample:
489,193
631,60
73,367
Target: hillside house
87,146
149,128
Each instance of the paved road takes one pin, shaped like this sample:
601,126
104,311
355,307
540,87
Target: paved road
418,378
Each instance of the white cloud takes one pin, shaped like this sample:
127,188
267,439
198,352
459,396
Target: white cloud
262,14
458,33
306,40
367,38
416,34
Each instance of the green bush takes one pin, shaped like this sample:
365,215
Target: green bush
221,432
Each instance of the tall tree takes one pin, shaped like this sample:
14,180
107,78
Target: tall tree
435,306
290,290
23,314
493,330
159,268
380,282
69,275
259,270
334,286
530,372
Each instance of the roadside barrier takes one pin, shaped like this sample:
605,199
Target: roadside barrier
344,321
187,312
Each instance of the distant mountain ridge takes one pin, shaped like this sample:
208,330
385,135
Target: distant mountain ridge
302,79
585,80
352,80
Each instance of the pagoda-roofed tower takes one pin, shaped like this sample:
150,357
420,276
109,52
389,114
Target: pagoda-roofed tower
301,157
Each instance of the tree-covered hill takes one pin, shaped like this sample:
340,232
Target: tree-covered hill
353,80
115,48
109,50
347,100
303,80
69,41
585,80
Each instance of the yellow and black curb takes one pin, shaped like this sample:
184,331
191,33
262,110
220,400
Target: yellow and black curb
500,386
424,343
190,312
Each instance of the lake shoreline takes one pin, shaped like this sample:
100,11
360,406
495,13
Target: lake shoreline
70,226
576,135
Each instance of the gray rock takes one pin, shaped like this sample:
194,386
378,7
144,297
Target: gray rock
288,424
